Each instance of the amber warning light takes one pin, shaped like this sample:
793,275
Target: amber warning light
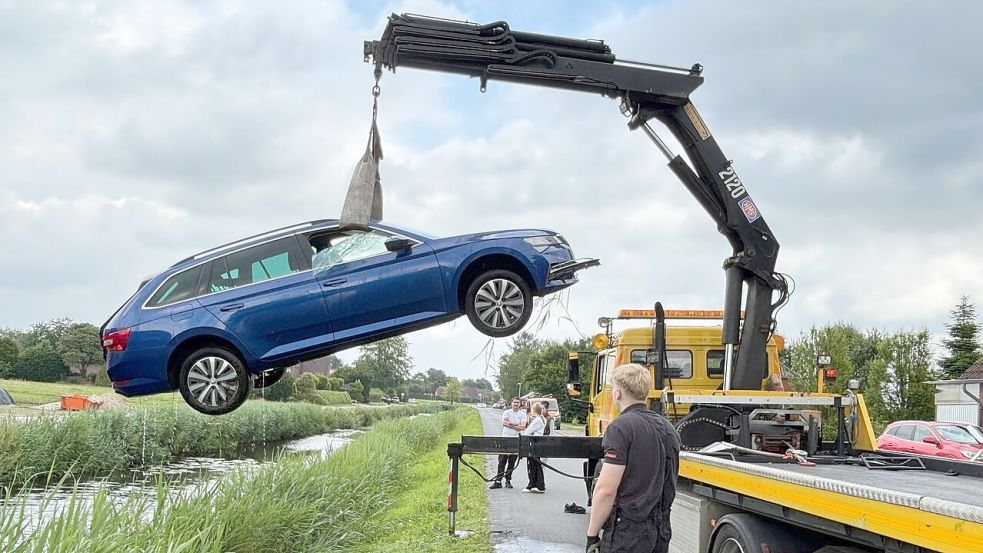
673,314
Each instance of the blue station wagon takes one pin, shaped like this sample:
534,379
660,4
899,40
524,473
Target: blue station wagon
216,323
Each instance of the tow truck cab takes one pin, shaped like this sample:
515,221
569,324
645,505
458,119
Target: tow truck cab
695,362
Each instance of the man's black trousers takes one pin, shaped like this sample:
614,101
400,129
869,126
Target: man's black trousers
625,535
510,460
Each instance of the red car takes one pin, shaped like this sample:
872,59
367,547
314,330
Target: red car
956,440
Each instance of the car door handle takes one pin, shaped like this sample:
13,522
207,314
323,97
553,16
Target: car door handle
335,282
232,307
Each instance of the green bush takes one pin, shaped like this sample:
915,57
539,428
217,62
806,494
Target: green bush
335,383
323,382
306,384
283,390
315,398
335,397
375,395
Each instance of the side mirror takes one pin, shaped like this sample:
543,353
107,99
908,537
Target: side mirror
573,369
931,440
398,244
573,389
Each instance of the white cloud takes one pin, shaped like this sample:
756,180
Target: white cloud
136,135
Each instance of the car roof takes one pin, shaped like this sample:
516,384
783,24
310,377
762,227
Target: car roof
257,238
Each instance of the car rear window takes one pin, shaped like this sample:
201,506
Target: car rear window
274,259
182,286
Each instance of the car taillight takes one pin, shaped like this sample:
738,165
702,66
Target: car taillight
116,341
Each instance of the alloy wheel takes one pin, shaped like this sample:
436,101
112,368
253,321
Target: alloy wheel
499,303
212,380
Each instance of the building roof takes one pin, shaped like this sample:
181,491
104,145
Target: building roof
974,372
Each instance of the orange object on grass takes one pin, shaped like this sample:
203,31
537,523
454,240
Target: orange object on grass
75,402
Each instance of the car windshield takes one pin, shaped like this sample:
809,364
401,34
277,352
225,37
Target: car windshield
976,432
956,434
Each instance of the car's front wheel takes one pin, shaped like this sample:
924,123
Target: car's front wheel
498,303
214,381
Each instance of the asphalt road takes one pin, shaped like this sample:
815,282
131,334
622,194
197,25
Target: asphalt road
527,522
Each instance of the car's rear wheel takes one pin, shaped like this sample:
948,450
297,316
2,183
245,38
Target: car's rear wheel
214,381
268,378
498,303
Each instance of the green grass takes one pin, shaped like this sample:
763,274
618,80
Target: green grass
417,519
26,392
113,441
293,505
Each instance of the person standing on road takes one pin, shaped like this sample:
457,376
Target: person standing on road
513,421
637,484
533,467
547,418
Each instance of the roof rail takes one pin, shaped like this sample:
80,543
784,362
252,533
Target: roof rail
259,236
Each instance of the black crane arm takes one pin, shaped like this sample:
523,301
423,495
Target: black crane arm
496,52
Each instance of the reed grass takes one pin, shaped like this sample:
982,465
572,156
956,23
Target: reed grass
295,504
112,441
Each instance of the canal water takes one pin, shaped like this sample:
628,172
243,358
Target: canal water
187,476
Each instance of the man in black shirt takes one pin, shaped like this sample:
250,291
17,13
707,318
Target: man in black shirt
637,484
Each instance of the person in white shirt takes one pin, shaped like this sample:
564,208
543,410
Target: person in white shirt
513,421
534,468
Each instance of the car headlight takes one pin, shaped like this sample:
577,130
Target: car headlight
541,243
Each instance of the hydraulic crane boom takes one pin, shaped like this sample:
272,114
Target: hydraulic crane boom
495,52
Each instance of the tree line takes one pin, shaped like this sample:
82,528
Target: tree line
893,368
51,351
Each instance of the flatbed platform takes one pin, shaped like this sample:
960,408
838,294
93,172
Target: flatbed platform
923,507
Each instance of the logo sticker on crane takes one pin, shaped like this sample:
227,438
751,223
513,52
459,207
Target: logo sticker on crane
750,210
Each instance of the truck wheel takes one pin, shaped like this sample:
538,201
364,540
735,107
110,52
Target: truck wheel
498,303
214,381
268,378
747,533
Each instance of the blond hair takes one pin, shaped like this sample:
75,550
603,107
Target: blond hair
634,379
537,408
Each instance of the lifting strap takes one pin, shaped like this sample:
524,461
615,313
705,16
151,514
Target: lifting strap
364,200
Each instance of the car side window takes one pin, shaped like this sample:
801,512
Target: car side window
907,432
922,432
347,246
893,431
179,287
260,263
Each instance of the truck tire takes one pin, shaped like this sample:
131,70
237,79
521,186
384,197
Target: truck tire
746,533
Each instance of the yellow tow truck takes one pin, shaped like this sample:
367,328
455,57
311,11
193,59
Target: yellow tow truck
757,475
833,497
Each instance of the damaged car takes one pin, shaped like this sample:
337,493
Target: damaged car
234,317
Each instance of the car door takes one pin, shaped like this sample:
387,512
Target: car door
919,446
267,296
906,439
369,289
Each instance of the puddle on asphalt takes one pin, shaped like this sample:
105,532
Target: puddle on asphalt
519,544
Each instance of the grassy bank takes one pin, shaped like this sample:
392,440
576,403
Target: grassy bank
416,519
29,393
293,505
100,442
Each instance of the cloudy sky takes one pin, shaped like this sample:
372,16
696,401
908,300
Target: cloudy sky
134,134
